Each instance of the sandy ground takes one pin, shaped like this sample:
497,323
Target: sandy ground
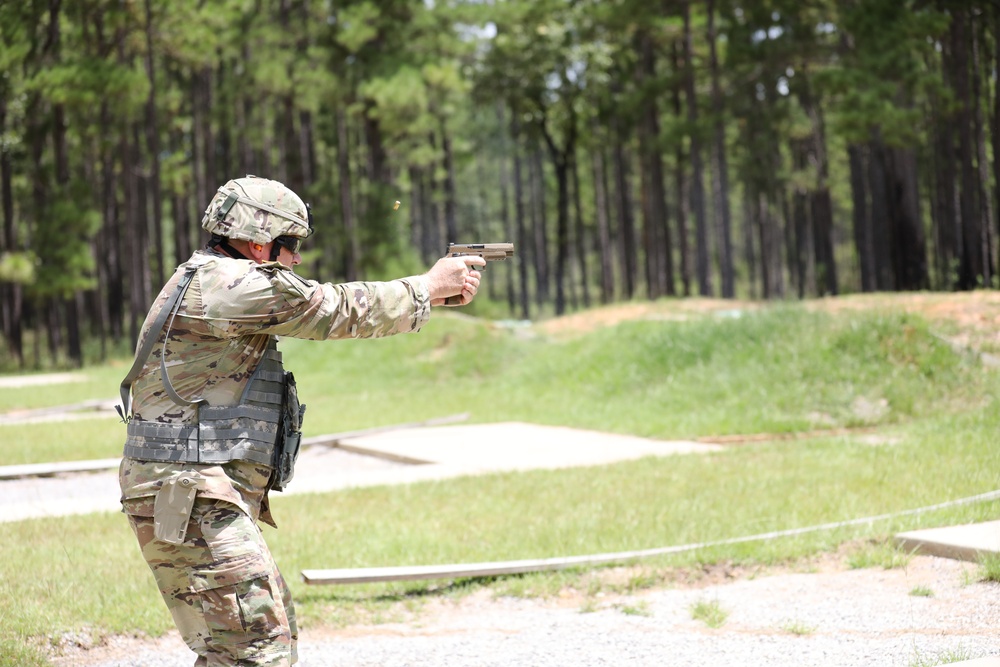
931,611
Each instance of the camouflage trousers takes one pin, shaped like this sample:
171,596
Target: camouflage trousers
223,589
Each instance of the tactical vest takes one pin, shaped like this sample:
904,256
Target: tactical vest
264,427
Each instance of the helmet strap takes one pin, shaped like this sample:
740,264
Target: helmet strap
222,242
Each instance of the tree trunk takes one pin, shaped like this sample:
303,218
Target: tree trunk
602,210
702,260
907,241
307,149
971,267
561,157
418,230
153,150
580,235
561,168
203,162
378,170
134,237
415,207
949,222
433,222
53,326
522,236
720,181
680,184
10,294
539,223
749,223
483,213
352,248
656,229
770,244
450,219
40,195
983,192
180,204
995,128
112,256
821,209
74,348
505,219
803,262
562,232
623,202
821,206
292,146
863,240
881,215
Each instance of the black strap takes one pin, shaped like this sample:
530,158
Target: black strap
142,354
222,242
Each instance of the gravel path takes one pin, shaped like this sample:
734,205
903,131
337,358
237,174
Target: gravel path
831,618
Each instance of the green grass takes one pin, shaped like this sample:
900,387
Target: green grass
709,612
778,371
798,628
879,553
989,567
944,658
640,608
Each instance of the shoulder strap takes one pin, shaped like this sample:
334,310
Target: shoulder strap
142,354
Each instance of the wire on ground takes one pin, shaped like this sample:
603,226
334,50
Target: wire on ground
464,570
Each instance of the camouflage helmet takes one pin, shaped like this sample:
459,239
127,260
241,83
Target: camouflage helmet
257,210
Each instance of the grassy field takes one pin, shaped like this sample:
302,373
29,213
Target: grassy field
777,370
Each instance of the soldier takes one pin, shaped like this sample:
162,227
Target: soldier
215,420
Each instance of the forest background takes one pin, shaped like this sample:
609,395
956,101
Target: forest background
632,149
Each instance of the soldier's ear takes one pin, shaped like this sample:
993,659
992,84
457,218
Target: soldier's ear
257,252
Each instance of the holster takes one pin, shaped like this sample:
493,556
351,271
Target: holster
286,449
172,508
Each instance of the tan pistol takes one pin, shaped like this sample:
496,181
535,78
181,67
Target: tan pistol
490,252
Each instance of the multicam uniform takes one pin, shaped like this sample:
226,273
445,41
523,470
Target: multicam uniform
220,583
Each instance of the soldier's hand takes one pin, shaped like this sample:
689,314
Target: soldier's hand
454,276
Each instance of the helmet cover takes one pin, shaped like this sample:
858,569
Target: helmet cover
258,210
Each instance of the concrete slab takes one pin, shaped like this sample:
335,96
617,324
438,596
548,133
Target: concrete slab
49,469
965,542
515,446
401,456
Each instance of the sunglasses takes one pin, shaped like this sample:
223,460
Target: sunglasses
292,243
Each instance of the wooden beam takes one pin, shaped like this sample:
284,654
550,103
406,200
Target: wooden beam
490,569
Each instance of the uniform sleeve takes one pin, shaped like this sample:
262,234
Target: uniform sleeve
271,299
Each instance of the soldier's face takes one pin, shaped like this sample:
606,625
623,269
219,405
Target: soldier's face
289,258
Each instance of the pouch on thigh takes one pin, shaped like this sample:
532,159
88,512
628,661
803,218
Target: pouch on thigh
243,615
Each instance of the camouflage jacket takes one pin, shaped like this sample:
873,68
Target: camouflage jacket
227,318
